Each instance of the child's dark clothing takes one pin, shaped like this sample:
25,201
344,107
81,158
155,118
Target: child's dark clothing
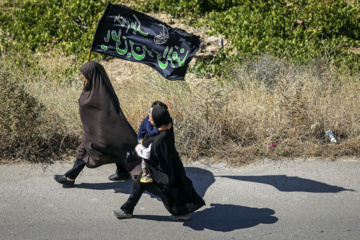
146,127
148,130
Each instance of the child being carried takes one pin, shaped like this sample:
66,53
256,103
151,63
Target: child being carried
148,129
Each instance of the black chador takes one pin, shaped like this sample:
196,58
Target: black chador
108,137
170,182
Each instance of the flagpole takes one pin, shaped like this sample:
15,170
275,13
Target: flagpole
89,55
84,78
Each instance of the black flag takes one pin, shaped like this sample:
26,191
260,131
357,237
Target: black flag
133,36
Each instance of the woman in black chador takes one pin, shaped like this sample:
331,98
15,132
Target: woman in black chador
108,136
169,178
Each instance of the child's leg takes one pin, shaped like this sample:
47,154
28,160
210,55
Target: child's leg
143,166
145,177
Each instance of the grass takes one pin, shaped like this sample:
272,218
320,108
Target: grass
263,101
41,120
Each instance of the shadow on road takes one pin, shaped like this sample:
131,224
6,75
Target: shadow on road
224,218
219,217
291,184
202,180
118,187
229,217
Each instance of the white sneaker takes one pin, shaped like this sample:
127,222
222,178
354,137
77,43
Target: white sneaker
120,214
181,217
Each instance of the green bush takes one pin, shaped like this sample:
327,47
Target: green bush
42,26
184,8
298,30
302,30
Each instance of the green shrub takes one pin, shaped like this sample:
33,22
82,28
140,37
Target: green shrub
298,30
42,26
302,30
184,8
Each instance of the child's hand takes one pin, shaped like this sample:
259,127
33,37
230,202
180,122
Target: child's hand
165,127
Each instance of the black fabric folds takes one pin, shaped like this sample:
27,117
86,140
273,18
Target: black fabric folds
108,136
167,170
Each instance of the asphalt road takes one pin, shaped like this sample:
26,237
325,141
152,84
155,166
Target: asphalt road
284,199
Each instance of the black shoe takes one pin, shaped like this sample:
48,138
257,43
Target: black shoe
185,217
62,179
119,177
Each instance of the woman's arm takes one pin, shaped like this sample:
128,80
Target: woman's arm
165,127
151,130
